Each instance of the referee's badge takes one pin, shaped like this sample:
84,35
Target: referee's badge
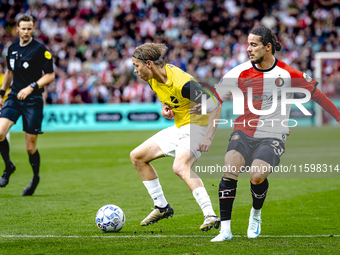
11,62
48,55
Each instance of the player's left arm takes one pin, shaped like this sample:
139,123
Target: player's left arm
42,82
193,91
47,78
326,104
205,143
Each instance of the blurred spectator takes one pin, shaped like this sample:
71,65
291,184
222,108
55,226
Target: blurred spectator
92,40
134,92
99,92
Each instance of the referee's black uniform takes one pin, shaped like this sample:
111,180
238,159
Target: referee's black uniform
26,63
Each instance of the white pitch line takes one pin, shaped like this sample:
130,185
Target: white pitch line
156,236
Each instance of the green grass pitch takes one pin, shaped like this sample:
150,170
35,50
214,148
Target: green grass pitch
80,172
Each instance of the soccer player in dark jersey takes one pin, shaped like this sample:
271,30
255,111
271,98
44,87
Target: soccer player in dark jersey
258,140
30,68
172,86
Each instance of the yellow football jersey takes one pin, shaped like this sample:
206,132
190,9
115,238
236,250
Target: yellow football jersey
8,90
170,93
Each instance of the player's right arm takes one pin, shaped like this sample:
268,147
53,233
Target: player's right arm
8,78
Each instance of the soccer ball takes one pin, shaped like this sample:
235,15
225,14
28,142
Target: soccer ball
110,218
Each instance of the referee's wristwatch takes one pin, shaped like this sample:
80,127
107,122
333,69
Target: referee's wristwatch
34,85
2,92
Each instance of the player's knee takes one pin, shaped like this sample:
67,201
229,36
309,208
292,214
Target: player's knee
136,156
133,156
180,169
234,158
256,180
2,137
31,149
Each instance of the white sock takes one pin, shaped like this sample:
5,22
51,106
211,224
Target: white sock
156,192
225,225
203,200
254,211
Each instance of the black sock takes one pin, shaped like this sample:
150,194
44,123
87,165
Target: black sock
35,162
227,193
4,149
259,193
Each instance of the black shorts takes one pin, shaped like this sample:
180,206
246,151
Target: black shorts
31,110
266,149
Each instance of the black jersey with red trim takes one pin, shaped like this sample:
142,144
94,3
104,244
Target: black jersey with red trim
262,84
28,64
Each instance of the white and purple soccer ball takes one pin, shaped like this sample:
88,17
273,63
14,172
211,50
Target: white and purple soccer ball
110,218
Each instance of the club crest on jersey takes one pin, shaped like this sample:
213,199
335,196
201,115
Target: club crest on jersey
235,137
279,82
25,65
307,77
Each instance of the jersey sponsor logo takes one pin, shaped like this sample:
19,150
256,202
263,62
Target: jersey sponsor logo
307,77
172,102
11,62
264,97
198,94
48,55
279,82
25,65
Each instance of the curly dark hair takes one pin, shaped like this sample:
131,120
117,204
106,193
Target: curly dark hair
267,36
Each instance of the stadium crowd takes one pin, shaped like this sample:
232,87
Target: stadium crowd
92,40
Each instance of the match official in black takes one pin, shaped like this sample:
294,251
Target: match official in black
30,67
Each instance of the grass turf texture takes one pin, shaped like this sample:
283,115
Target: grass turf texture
80,172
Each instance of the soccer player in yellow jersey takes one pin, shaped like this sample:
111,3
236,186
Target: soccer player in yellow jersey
172,86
